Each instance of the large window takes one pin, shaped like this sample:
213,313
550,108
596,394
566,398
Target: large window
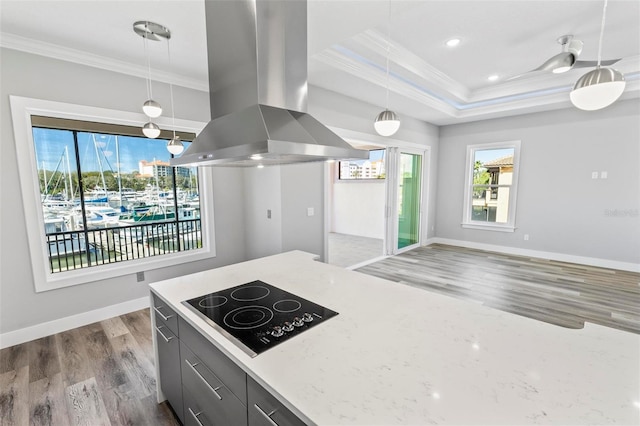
106,200
491,182
373,168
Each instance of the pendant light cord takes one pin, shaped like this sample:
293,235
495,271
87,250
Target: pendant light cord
388,51
604,14
148,55
173,112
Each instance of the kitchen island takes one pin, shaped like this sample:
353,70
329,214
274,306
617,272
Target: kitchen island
400,355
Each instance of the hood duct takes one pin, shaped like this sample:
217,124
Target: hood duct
257,53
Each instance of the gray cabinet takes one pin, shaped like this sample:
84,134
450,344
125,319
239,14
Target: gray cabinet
203,386
207,399
233,377
265,410
169,359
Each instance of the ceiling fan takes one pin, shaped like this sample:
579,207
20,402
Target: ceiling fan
567,59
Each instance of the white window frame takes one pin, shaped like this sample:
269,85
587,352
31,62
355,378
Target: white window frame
510,226
22,109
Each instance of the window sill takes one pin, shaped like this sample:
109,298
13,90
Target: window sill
488,227
53,281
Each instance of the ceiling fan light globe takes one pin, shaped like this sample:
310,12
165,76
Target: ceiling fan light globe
387,123
151,130
597,89
175,146
152,109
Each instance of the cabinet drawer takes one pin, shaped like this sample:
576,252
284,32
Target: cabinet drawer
169,367
222,367
265,410
164,314
207,395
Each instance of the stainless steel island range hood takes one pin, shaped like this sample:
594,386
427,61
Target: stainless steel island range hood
257,53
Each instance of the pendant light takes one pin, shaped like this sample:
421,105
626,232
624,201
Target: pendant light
152,109
600,87
387,122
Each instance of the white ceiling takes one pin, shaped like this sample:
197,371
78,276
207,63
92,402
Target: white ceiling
347,43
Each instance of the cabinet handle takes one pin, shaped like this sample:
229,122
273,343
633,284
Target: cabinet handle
195,416
265,415
164,317
193,367
166,339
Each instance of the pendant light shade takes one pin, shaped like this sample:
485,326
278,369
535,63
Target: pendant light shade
151,130
597,89
387,123
152,109
601,87
175,146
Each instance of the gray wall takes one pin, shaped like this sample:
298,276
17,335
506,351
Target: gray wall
262,192
559,205
302,186
38,77
287,191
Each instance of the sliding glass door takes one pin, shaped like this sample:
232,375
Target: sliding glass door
404,195
408,207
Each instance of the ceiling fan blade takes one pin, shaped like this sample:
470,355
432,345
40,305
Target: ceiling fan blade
526,74
588,64
562,60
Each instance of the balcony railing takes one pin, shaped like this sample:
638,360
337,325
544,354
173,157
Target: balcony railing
92,247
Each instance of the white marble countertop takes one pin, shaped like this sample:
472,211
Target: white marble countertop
400,355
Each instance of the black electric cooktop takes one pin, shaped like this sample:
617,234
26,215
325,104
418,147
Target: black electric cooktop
257,316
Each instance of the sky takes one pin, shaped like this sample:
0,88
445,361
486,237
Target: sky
485,155
128,151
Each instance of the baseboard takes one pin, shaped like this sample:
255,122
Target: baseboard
366,262
560,257
67,323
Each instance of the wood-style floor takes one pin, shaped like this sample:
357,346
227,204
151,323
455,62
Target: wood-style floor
99,374
559,293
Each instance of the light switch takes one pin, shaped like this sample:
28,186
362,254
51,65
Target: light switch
603,175
310,211
269,214
594,175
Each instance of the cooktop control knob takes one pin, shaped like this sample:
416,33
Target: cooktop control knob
298,322
306,317
277,331
287,326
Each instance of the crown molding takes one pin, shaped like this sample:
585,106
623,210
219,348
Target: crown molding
431,88
375,42
24,44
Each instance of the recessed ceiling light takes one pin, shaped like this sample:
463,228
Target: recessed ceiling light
453,42
493,77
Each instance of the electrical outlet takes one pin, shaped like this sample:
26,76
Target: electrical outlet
140,276
603,175
269,214
594,175
310,211
526,237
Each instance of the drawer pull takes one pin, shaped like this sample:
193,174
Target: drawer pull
166,339
265,415
214,390
164,317
195,416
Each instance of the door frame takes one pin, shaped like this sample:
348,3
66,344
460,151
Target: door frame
392,183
